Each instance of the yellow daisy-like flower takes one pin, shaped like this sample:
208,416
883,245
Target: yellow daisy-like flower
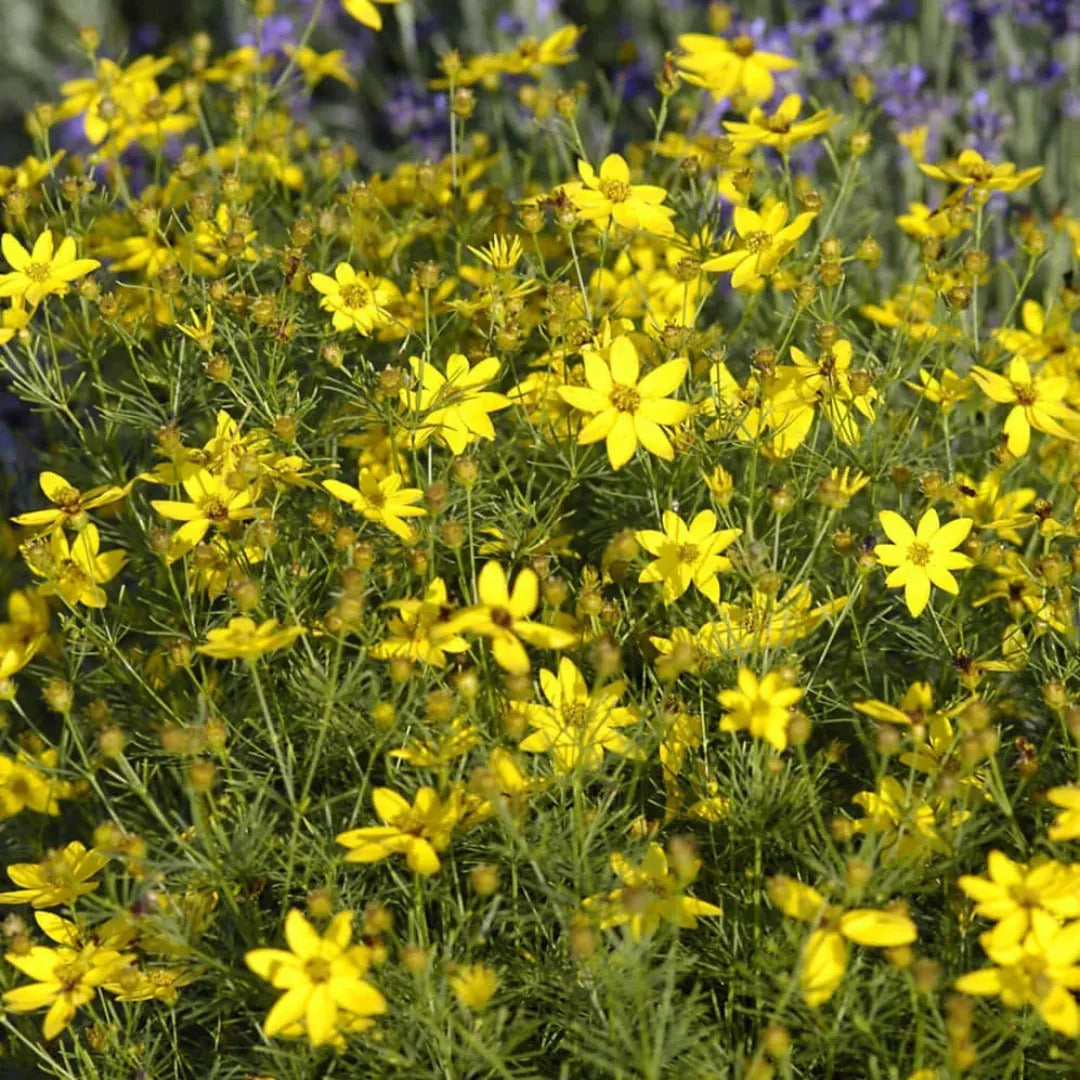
60,878
765,238
503,617
762,707
365,12
473,985
76,571
650,893
64,980
384,500
577,726
825,952
213,503
1066,825
323,979
687,554
626,411
1040,971
971,169
243,640
1037,402
42,271
781,129
68,502
922,557
417,831
609,196
357,300
729,68
453,408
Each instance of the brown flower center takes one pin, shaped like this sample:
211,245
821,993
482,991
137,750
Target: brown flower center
758,241
919,553
574,713
214,508
317,969
625,398
501,617
355,296
615,190
1025,393
743,46
688,553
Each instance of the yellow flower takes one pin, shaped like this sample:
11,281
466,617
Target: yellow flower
69,502
503,616
729,68
687,554
922,557
825,952
384,501
243,640
438,753
991,508
1047,335
767,622
946,392
365,12
766,238
213,503
316,66
64,980
1039,971
323,980
76,571
971,169
904,820
577,726
418,831
1066,825
474,985
795,393
609,196
1012,894
625,410
411,629
781,130
453,408
25,632
60,878
358,300
651,892
42,271
1036,400
25,783
761,707
502,253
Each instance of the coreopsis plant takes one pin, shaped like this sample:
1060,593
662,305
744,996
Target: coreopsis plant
713,750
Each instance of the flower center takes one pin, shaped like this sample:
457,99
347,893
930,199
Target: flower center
743,46
625,398
354,295
919,553
317,969
574,713
778,125
68,499
981,172
758,241
615,190
37,271
501,617
1025,393
688,553
215,508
